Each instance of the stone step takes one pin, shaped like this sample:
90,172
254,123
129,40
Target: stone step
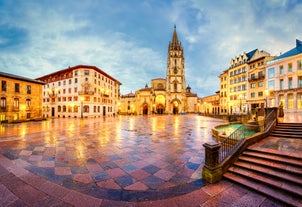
289,187
294,129
276,153
290,124
285,135
279,174
275,157
274,165
260,187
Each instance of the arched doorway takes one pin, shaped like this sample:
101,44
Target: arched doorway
160,109
145,109
175,107
160,102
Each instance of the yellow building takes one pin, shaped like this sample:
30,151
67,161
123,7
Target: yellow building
209,105
257,93
80,91
169,95
21,98
235,94
223,98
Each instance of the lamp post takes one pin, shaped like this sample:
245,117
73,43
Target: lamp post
240,106
82,99
266,96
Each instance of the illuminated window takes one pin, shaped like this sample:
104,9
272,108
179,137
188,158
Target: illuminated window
299,99
290,101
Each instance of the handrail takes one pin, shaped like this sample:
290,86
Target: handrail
230,142
269,119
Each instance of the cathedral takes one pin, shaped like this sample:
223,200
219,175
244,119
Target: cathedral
165,95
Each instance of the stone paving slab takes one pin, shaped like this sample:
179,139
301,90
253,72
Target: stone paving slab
116,162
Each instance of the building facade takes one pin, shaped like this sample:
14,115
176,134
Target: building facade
284,80
242,84
210,105
21,98
165,95
80,91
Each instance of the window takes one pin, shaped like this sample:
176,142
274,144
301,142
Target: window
260,84
253,85
243,87
253,95
16,103
243,69
75,80
290,101
299,99
175,87
299,65
290,83
17,87
64,108
70,81
59,83
28,89
86,72
64,83
59,108
290,67
271,72
253,76
3,85
76,73
299,81
260,74
260,93
3,103
271,85
28,103
281,84
281,70
243,78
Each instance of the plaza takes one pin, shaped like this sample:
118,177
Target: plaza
112,161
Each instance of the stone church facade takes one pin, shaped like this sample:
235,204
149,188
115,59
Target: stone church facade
164,96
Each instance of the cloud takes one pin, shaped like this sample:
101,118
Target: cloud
129,41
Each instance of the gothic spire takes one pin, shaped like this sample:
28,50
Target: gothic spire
175,44
175,38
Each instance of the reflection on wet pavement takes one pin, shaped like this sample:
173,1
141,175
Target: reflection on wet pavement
118,158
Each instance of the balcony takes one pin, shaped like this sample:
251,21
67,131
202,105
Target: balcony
86,92
255,78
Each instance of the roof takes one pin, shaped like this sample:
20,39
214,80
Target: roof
16,77
292,52
129,95
158,79
250,54
78,67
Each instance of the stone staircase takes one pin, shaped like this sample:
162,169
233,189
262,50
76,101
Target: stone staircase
277,175
288,130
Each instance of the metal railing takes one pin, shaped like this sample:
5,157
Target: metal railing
231,142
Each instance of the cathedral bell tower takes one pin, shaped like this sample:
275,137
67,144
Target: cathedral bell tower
175,77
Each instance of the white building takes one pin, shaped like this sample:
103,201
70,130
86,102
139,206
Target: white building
80,91
284,80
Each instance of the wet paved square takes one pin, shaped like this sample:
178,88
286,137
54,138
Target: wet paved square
126,158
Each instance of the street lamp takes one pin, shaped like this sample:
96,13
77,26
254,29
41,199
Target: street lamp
82,99
266,96
240,106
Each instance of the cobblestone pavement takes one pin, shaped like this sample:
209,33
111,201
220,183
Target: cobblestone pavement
112,161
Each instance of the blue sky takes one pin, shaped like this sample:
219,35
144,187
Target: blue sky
129,39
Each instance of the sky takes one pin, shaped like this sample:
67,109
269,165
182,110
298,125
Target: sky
128,39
